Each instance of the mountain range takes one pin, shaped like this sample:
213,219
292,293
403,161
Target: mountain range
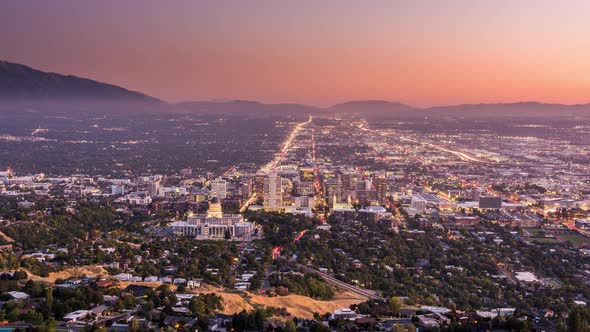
20,84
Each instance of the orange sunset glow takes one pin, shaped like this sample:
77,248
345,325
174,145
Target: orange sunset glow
418,52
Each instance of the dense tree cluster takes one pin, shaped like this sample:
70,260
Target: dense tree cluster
309,285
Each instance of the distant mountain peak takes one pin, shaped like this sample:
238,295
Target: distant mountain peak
372,107
371,102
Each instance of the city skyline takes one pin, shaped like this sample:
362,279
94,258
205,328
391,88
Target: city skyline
419,53
311,166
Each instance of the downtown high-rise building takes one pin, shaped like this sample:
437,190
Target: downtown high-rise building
349,180
154,188
219,188
273,197
381,188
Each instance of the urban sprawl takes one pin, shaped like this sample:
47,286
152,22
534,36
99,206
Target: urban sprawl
348,225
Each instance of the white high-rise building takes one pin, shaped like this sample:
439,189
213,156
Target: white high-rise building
273,197
154,188
219,188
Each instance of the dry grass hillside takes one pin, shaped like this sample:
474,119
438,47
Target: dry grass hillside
70,272
296,305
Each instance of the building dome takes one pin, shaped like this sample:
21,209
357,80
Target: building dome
375,209
215,210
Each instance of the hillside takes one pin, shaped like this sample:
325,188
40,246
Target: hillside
20,82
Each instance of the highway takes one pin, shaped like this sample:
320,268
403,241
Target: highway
371,294
462,155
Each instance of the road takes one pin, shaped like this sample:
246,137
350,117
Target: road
286,145
371,294
253,197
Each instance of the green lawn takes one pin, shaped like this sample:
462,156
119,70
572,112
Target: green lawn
575,238
544,240
533,231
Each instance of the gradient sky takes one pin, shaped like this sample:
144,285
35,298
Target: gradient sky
312,51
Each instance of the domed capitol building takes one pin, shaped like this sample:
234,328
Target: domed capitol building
213,225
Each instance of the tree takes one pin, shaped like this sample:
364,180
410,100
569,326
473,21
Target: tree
20,275
394,304
579,319
134,325
12,315
363,308
289,326
319,327
50,323
49,298
34,317
259,319
91,328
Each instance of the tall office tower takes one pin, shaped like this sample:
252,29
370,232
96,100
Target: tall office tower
287,186
476,193
349,180
365,196
346,179
154,188
219,188
363,185
306,174
245,189
381,188
303,201
304,188
273,198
